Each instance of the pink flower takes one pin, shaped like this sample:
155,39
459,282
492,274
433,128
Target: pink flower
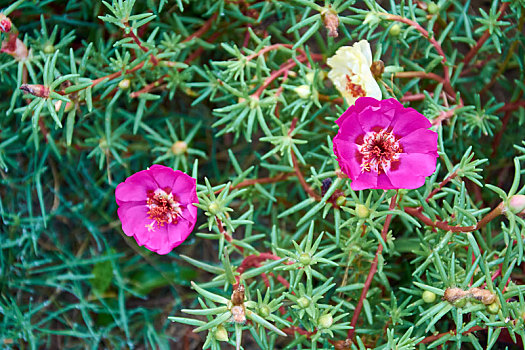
155,207
383,145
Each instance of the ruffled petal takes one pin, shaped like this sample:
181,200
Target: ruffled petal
134,218
407,121
164,176
420,141
373,117
346,156
159,241
412,169
135,188
367,179
184,188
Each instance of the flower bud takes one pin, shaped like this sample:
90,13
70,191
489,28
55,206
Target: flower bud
49,48
179,147
395,30
124,84
5,23
340,201
325,321
303,302
428,297
264,311
517,204
362,211
432,8
213,208
493,308
68,108
460,303
305,259
221,334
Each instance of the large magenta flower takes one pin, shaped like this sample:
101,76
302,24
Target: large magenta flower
381,144
155,207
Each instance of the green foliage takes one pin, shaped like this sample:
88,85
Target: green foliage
236,94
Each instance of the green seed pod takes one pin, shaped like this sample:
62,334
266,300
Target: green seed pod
493,308
325,321
395,30
428,297
214,208
340,201
303,302
432,8
305,259
460,303
362,211
49,48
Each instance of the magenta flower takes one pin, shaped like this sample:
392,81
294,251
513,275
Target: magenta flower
155,207
383,145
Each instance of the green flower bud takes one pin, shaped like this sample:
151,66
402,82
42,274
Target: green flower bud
325,321
362,211
214,208
303,91
428,297
124,84
303,302
432,8
221,334
49,48
493,308
395,30
305,259
264,311
179,147
340,201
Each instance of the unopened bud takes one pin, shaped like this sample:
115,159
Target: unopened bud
517,204
377,68
49,48
37,90
221,334
124,84
340,201
331,22
213,208
303,91
5,23
325,321
432,8
179,147
303,302
264,311
395,30
493,308
428,297
305,259
362,211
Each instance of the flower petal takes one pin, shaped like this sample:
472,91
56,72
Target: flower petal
164,176
346,156
365,180
134,218
373,117
184,188
135,188
159,241
407,121
420,141
411,170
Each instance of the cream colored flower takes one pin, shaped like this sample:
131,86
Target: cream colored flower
351,73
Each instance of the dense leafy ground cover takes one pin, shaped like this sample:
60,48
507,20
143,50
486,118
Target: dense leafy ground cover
243,96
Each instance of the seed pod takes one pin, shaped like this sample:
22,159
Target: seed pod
303,302
221,334
377,68
325,321
362,211
238,295
483,295
493,308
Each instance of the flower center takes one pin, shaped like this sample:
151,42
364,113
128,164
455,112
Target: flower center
379,150
354,89
163,208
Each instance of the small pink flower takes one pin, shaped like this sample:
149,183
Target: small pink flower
383,145
155,207
5,23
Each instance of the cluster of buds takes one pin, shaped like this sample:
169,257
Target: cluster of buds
458,296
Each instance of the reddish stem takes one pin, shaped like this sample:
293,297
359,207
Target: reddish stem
226,235
262,180
203,29
441,185
433,338
132,35
373,270
481,41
